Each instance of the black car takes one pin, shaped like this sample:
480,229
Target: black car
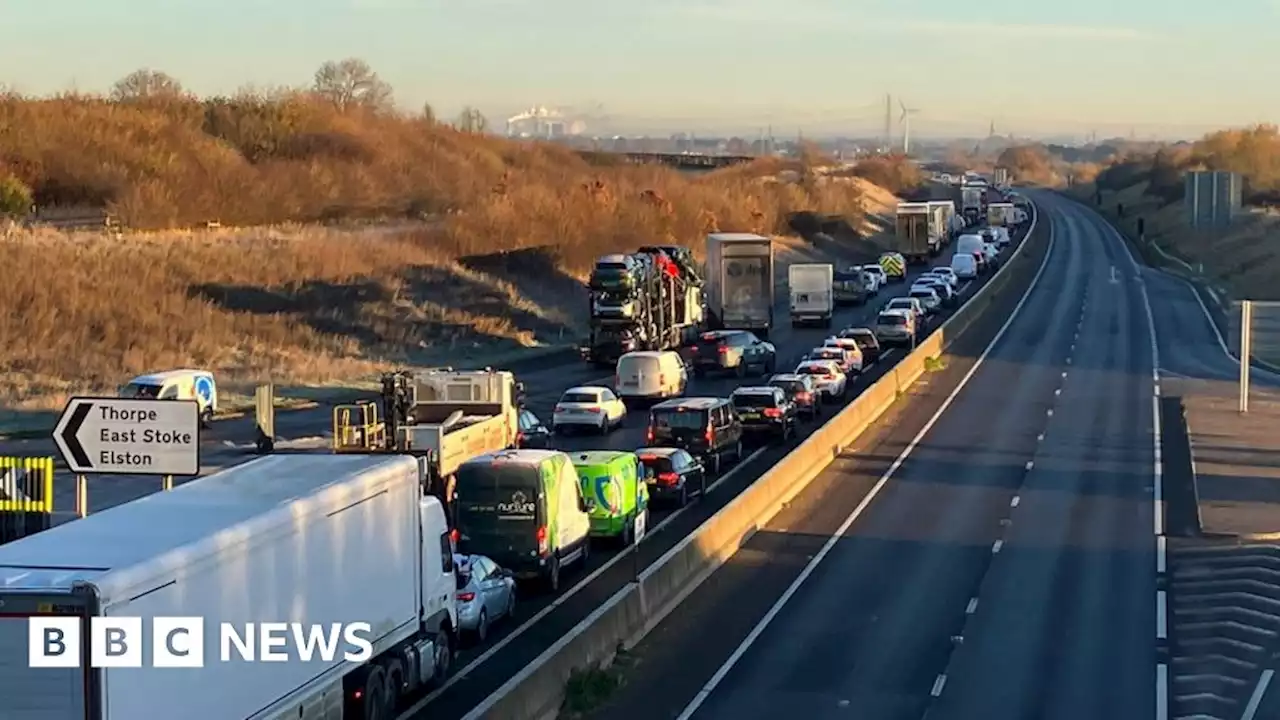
708,428
531,433
940,286
766,410
867,342
672,474
736,351
801,391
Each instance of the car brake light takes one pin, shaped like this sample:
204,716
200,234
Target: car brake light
802,396
455,536
519,438
542,539
559,407
466,596
709,435
773,412
592,409
722,349
648,434
668,478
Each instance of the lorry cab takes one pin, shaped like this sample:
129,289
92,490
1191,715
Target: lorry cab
185,384
619,498
525,510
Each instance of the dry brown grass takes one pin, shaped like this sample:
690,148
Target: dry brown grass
489,239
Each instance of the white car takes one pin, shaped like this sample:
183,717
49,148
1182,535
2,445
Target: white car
882,279
928,297
965,266
588,407
932,282
906,303
834,354
827,378
1002,237
947,274
991,254
872,280
852,350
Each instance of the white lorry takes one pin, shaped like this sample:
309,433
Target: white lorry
316,539
449,416
812,290
971,203
740,283
1001,213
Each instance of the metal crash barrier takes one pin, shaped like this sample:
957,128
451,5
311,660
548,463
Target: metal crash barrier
26,496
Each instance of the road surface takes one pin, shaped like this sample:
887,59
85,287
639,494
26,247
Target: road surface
1004,569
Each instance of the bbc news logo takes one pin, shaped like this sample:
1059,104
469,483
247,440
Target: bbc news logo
179,642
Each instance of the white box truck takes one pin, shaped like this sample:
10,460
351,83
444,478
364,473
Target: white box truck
812,287
740,283
307,538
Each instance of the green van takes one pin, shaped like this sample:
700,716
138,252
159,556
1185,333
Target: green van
615,492
524,510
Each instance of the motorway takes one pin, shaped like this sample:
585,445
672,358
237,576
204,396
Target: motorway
996,559
542,619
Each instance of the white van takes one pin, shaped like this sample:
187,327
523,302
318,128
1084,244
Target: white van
650,375
183,384
964,265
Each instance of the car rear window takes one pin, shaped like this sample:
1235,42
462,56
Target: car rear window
892,320
818,370
655,463
921,293
688,419
580,397
789,386
713,343
754,400
864,341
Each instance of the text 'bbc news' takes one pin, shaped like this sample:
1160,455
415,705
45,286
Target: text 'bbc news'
179,642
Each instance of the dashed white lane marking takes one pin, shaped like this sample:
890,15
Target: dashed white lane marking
1057,392
972,607
1162,547
1031,464
1049,412
938,684
1162,618
1014,502
995,547
1040,437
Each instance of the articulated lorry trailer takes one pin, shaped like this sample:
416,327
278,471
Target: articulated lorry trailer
325,541
971,203
914,238
740,282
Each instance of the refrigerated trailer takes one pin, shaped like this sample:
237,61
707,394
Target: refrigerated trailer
309,538
740,283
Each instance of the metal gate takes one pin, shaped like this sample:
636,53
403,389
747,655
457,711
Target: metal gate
26,496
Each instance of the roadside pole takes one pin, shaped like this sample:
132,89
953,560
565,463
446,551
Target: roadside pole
1246,351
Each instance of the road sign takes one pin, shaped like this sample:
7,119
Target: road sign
116,436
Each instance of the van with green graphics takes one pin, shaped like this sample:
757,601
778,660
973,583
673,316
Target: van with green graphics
525,510
616,492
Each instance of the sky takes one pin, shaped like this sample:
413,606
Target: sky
1154,68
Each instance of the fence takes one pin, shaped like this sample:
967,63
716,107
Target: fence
26,496
1265,340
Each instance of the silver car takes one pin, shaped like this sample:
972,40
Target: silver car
486,593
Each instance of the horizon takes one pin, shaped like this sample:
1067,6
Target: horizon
1049,72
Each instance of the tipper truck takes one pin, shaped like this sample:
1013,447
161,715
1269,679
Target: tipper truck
315,539
912,232
447,416
740,282
647,300
812,288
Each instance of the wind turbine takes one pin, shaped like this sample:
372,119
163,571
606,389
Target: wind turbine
906,126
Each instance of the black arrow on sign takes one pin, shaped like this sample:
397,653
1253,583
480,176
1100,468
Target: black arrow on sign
70,432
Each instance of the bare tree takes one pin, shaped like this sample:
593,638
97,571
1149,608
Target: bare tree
472,121
352,83
145,84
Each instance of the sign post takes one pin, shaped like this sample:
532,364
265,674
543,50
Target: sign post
1246,351
117,436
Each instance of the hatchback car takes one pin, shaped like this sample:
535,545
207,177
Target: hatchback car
896,327
945,294
486,594
947,274
735,351
827,378
588,407
852,350
672,474
802,391
834,354
531,433
766,411
866,339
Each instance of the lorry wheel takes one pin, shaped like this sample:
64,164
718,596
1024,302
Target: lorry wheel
553,575
206,418
375,694
443,657
629,533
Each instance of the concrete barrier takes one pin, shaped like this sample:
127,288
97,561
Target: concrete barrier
538,691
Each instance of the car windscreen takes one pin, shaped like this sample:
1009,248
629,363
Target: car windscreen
580,397
817,370
655,464
677,420
140,391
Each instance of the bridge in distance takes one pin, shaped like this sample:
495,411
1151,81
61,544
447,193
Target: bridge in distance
677,160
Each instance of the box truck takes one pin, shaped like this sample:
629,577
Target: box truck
740,282
812,287
913,238
317,539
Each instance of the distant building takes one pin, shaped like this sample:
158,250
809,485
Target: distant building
545,123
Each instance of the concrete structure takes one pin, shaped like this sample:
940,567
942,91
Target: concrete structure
1212,198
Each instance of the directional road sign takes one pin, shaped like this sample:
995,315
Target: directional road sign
116,436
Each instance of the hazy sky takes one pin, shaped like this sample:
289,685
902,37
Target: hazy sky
1032,66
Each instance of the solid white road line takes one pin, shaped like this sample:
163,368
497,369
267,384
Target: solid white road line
582,583
1162,692
1258,692
835,537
